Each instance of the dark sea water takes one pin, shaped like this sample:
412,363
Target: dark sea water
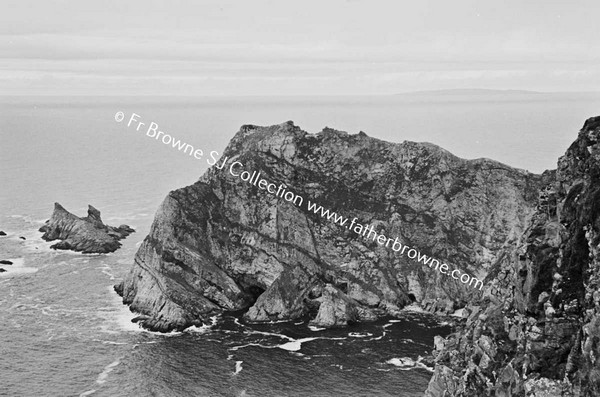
63,331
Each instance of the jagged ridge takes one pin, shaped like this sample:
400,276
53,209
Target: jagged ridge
88,234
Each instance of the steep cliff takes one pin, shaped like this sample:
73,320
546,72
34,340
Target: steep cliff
536,329
87,234
223,244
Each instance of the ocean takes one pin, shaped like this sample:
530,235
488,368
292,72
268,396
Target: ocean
63,330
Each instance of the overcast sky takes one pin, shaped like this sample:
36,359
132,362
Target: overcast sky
296,47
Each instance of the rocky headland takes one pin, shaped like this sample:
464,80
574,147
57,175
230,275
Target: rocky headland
222,244
536,329
86,234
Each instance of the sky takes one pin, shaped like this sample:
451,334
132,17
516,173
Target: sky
325,47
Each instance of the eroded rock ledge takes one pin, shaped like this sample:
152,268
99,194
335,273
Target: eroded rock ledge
222,244
88,234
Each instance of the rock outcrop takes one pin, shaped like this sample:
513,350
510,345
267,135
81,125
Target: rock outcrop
536,329
223,244
88,234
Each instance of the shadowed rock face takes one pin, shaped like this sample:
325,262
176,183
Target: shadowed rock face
88,235
224,244
536,330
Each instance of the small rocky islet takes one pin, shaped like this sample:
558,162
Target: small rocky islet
88,234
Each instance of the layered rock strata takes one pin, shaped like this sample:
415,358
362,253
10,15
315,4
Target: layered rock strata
223,244
536,329
87,234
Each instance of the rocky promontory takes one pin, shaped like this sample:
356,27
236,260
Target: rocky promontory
87,234
536,329
223,244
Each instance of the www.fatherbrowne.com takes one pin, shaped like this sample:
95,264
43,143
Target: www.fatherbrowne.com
236,169
254,179
369,232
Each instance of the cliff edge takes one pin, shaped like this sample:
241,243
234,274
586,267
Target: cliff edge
536,329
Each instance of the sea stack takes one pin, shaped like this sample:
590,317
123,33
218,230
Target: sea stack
88,234
224,244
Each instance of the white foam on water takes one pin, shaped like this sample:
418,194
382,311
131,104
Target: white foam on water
292,346
407,363
251,344
204,328
360,334
238,367
106,270
110,342
414,308
315,329
295,345
33,240
271,334
402,362
18,267
87,393
198,330
121,316
107,370
278,321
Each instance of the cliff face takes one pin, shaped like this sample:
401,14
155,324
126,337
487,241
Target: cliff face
224,244
87,234
536,330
